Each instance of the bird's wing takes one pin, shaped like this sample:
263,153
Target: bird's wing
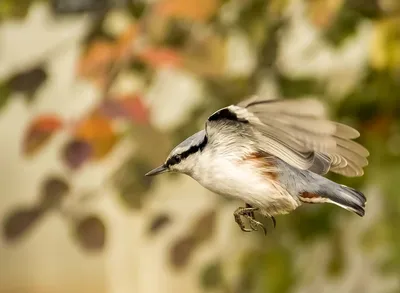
297,132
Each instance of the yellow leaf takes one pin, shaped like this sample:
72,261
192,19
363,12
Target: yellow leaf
385,44
200,11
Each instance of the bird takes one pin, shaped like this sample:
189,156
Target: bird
272,155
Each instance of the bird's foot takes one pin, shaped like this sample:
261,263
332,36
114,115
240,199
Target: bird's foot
248,213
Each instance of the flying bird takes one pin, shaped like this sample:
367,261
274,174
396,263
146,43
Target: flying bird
272,154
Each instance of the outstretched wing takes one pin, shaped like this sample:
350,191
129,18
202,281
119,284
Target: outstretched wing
297,132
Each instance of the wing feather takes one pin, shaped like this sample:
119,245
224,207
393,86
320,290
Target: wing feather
298,132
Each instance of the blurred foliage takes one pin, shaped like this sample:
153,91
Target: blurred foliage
28,82
158,223
267,271
91,233
20,221
53,192
14,9
201,231
131,183
39,132
211,276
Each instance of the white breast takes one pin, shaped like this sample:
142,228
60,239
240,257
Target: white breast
242,180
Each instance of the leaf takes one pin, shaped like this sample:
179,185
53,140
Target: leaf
131,183
91,233
54,190
200,11
204,227
126,107
94,126
158,57
181,252
28,81
135,110
39,133
386,45
158,223
149,137
211,276
96,62
111,108
20,222
202,230
76,153
97,130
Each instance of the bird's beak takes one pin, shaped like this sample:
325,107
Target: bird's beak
157,171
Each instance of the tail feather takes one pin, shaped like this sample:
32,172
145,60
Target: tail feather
340,195
349,199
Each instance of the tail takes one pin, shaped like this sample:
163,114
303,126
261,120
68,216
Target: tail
340,195
349,199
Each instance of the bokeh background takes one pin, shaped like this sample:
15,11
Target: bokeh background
95,93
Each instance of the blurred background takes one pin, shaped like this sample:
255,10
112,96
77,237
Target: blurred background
95,93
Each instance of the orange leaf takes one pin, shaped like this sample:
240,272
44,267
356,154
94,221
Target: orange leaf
160,57
103,146
97,130
200,11
39,132
135,109
47,123
125,41
130,107
93,127
95,63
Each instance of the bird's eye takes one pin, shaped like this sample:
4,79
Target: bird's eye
174,160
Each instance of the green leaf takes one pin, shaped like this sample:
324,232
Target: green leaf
211,276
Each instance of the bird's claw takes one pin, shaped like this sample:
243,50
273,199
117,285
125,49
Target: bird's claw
248,213
273,221
255,224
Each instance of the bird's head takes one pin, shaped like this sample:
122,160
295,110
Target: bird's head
183,158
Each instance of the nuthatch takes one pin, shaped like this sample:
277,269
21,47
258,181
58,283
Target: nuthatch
272,155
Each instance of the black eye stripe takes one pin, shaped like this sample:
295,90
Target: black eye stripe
193,149
173,161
